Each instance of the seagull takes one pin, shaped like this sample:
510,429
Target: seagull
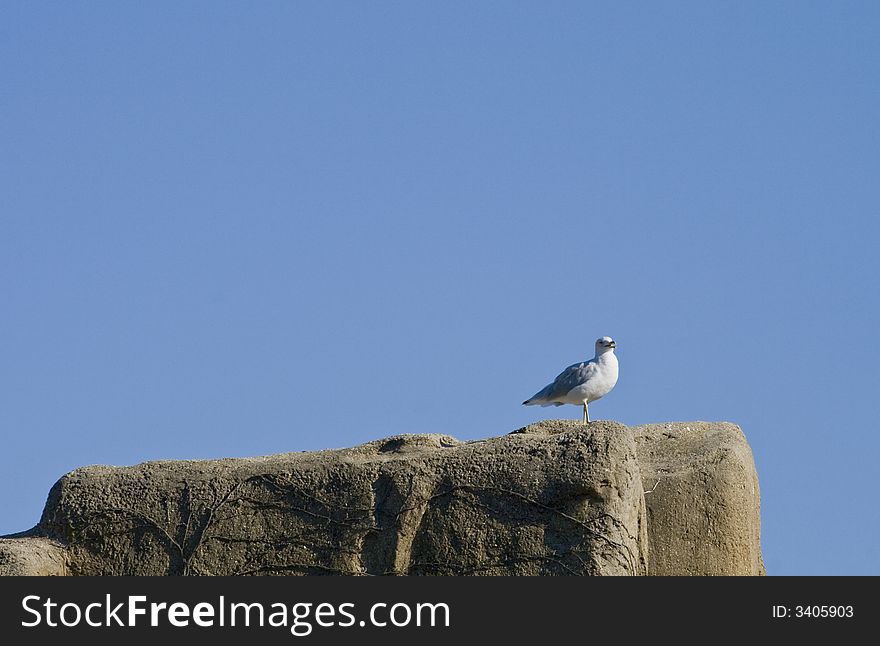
582,383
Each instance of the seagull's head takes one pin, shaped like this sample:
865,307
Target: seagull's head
605,344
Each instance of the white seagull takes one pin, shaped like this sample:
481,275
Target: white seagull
582,383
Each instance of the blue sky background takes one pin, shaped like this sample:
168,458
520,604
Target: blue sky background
232,229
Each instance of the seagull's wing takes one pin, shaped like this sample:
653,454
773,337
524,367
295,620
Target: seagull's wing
571,377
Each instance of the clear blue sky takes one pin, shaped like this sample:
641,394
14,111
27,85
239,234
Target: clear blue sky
232,229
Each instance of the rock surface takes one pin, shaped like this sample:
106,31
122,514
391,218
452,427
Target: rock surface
413,504
32,556
552,498
703,499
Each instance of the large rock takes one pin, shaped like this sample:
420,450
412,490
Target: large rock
551,498
702,498
525,504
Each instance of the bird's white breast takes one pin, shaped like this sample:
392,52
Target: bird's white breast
600,382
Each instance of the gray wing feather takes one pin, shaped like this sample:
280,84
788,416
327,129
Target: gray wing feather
571,377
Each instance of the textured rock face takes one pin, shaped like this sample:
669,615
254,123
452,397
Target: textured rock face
525,503
32,556
703,501
552,498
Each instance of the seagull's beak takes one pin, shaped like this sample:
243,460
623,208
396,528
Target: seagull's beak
612,345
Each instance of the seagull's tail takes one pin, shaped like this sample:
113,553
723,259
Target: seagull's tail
543,397
535,401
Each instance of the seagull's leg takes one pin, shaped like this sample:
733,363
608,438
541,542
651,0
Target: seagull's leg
586,414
